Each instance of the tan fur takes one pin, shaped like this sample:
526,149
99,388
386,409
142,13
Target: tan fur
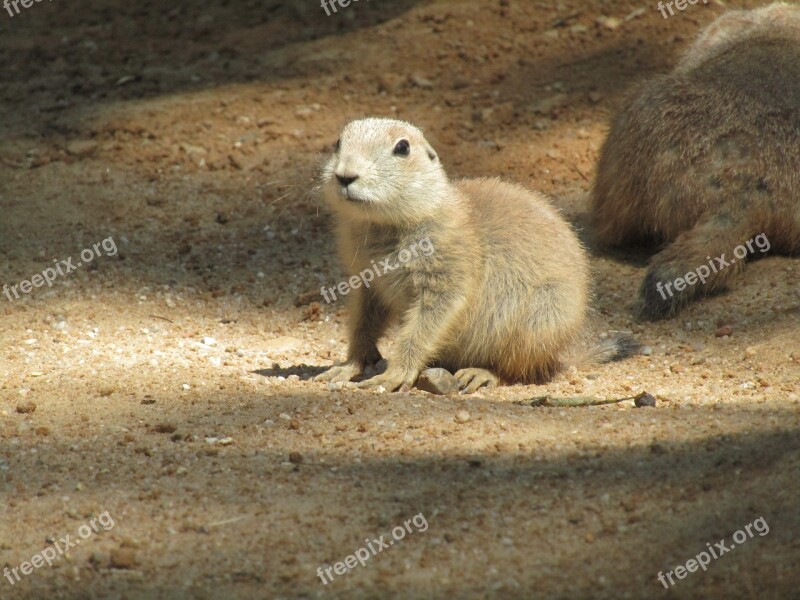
708,157
505,289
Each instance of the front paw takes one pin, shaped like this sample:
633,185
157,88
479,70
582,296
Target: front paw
391,380
340,373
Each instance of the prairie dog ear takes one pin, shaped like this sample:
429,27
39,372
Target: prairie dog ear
430,140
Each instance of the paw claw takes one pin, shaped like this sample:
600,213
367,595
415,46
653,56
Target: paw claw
471,380
340,373
391,381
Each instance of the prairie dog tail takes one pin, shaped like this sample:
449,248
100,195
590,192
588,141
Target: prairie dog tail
614,348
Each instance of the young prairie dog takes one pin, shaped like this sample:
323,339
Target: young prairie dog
708,157
501,295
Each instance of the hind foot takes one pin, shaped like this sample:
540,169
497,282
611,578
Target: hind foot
470,380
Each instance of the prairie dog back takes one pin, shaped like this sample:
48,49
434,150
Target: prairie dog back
708,157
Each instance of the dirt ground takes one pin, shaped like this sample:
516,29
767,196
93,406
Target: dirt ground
168,383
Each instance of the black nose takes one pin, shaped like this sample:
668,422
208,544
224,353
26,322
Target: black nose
345,181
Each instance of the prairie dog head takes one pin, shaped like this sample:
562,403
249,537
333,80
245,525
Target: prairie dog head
384,171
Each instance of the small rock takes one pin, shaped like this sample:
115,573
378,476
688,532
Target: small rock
81,147
462,416
123,558
26,407
165,428
294,424
546,105
749,352
723,331
437,381
421,82
644,400
610,23
208,341
295,457
647,351
224,441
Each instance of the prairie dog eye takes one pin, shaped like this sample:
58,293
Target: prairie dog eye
402,148
338,145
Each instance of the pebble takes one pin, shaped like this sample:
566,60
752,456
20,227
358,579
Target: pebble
81,147
610,23
749,352
437,381
421,82
723,331
123,558
26,407
295,457
647,351
645,400
224,441
546,105
462,416
208,341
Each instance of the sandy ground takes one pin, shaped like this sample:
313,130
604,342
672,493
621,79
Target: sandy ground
167,383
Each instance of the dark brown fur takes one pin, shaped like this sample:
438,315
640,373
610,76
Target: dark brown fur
708,157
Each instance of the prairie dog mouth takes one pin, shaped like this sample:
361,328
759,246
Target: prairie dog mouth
352,195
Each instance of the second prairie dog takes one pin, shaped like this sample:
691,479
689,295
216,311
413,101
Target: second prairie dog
504,291
707,158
